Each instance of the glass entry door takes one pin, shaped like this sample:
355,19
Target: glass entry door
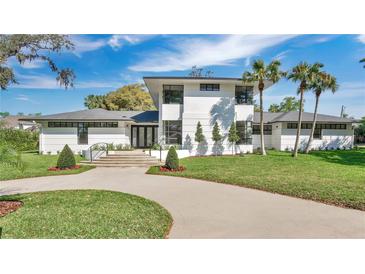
143,136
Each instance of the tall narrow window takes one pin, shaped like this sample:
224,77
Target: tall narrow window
172,132
173,94
244,130
244,95
82,134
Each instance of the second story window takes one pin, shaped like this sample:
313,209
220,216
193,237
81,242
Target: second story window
209,87
244,95
173,94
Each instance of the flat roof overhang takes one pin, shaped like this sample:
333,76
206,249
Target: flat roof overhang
155,84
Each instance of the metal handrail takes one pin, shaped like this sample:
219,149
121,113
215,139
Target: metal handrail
91,150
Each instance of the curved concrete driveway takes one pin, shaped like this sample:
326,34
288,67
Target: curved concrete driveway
210,210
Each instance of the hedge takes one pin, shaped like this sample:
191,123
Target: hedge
19,140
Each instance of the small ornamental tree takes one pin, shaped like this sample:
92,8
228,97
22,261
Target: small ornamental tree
216,136
172,160
199,136
66,158
232,135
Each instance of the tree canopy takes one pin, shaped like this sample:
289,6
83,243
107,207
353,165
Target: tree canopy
29,47
289,103
129,97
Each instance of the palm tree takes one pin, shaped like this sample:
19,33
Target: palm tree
362,61
261,73
303,73
321,83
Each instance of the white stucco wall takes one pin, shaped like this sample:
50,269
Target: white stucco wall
52,140
331,138
206,107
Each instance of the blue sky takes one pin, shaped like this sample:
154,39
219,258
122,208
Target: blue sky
103,63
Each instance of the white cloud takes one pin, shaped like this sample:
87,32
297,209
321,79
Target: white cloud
281,55
361,38
25,98
41,81
118,40
206,52
83,44
33,64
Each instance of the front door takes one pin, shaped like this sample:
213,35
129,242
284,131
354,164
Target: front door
143,136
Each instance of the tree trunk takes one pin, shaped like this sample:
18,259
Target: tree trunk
313,126
295,152
263,152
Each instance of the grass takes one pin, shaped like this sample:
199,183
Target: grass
84,214
37,165
333,177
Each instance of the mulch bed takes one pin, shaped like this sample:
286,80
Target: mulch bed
66,168
9,206
166,169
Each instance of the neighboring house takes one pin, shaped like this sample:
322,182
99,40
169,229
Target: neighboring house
16,122
181,103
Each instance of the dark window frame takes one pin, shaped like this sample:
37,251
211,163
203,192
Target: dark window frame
245,135
172,134
63,124
267,129
82,134
170,94
210,87
243,95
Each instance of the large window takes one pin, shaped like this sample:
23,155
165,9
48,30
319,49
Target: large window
173,94
82,134
256,130
244,95
85,124
172,132
209,87
244,130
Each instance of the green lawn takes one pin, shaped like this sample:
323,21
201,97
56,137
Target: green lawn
333,177
37,165
84,214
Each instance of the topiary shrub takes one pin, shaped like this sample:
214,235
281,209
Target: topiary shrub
172,160
66,158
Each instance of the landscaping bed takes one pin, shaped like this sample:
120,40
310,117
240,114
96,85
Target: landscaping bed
7,207
38,165
333,177
84,214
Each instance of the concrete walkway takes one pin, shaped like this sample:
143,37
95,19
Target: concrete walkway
210,210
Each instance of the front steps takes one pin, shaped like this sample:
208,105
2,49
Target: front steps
135,158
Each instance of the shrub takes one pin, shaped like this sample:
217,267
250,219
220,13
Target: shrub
172,160
19,140
66,158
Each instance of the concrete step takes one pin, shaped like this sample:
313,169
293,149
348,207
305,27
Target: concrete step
126,160
120,165
95,162
126,156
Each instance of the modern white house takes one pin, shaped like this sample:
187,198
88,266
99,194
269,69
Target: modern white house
181,103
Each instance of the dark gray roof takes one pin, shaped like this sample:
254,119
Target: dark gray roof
192,78
99,114
292,116
148,116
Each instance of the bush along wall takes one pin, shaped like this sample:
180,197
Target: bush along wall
19,140
66,158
